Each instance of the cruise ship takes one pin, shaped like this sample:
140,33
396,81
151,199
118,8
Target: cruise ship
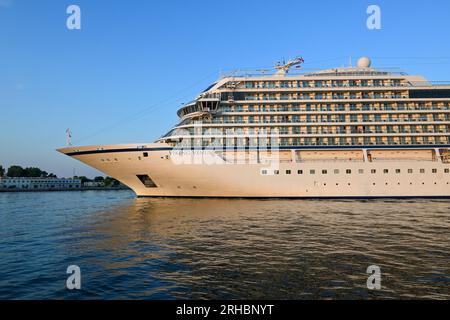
349,132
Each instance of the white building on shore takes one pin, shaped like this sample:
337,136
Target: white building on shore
22,183
94,184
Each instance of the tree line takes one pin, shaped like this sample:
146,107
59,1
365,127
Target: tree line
107,181
33,172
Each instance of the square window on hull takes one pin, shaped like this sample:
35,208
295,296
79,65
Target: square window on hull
146,181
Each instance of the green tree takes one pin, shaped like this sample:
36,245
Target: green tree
111,182
83,179
99,179
33,172
2,171
15,171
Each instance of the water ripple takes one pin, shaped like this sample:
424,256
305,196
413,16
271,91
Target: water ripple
221,249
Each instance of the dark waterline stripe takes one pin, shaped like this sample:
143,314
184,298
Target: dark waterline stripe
300,197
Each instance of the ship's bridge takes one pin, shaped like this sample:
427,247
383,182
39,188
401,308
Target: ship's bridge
204,105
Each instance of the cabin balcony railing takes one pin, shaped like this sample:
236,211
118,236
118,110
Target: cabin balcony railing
363,110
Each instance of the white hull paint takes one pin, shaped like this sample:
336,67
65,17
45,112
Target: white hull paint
247,180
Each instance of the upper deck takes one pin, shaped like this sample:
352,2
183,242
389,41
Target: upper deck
343,106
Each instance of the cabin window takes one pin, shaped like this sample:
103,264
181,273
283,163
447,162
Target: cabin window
386,170
361,171
434,170
312,171
264,172
288,171
145,154
299,171
336,171
373,171
324,171
410,170
348,171
397,170
422,170
446,170
276,172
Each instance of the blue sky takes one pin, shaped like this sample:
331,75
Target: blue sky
122,77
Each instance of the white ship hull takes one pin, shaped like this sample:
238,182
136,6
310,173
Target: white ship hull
331,179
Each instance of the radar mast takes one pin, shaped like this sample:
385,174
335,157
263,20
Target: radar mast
283,67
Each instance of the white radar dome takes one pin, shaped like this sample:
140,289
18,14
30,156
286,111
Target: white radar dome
364,62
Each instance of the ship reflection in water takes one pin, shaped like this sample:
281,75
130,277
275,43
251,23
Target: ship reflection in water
219,249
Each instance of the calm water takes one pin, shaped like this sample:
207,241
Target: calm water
202,249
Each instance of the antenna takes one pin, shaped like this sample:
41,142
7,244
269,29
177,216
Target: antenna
283,67
68,137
